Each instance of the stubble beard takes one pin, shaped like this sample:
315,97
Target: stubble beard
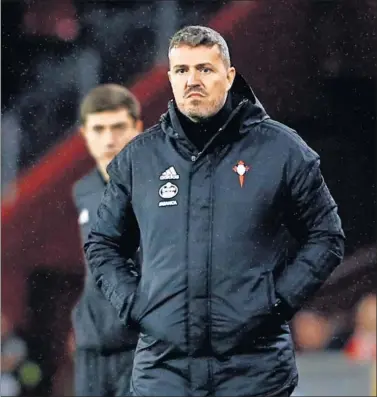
199,113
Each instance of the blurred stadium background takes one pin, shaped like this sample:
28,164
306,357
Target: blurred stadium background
313,65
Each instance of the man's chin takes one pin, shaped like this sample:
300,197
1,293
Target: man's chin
199,116
106,159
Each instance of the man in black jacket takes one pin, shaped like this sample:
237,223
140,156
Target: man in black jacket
110,118
213,194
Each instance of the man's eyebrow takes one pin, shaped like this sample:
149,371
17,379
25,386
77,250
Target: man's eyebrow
180,66
204,64
197,65
118,123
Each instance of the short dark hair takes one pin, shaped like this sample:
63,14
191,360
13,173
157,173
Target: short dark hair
109,97
195,36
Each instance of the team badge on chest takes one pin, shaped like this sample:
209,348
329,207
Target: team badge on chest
241,168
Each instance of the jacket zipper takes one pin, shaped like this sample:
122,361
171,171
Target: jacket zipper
209,271
195,156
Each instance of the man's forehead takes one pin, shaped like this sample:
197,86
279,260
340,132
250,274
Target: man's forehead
187,55
109,116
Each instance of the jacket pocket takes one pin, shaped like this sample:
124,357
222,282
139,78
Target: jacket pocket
262,299
138,305
85,325
241,315
263,322
135,306
270,282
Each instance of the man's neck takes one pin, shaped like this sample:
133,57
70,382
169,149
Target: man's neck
102,169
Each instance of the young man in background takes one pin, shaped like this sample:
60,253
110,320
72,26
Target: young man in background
110,119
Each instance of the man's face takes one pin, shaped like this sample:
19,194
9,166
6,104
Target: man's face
200,80
107,132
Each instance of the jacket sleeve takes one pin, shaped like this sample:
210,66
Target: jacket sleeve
311,217
113,241
75,201
74,197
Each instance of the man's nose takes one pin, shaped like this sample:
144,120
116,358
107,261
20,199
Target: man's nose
193,79
109,139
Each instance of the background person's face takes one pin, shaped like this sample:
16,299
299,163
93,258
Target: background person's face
107,132
200,80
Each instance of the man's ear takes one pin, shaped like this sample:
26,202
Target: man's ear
139,125
231,75
82,131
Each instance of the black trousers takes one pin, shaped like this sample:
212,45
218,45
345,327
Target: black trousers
103,375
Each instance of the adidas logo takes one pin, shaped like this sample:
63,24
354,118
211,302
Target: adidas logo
170,173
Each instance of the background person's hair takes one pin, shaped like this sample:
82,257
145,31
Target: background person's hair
108,97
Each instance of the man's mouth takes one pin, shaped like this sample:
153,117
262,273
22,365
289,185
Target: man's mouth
195,94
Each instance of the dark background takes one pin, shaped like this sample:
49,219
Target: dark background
312,63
